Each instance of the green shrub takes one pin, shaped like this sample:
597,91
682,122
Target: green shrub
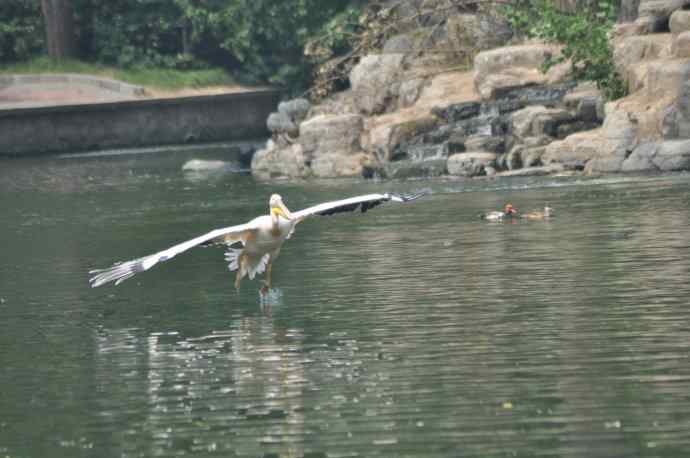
21,30
584,34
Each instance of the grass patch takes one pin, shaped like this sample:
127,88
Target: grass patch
160,78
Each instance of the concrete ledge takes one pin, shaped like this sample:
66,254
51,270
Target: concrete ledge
118,87
135,123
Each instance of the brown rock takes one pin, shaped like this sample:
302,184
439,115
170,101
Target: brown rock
331,134
374,82
514,66
471,164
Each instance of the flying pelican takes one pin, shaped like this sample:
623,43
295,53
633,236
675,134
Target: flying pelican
261,239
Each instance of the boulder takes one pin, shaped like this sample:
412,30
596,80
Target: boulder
619,136
630,52
531,157
576,150
538,120
522,155
628,10
514,66
296,109
333,165
275,162
629,29
679,22
399,44
409,91
478,31
415,169
676,117
640,160
374,82
488,143
659,11
666,78
681,45
471,164
586,101
390,140
280,123
331,134
673,155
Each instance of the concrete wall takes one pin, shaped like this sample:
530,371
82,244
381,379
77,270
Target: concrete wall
71,128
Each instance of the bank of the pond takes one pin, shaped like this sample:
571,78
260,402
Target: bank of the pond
42,114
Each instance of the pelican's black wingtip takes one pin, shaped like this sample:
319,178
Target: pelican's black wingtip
409,196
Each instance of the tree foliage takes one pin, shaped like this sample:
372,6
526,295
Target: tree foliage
584,34
262,40
21,30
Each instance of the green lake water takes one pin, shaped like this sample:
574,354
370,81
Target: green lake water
414,330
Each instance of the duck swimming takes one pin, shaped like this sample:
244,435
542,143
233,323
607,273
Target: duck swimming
539,215
508,212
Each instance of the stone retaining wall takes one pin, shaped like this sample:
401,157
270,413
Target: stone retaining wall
135,123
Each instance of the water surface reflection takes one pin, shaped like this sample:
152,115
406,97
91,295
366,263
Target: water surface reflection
413,330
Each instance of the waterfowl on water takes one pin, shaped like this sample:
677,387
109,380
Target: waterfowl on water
508,212
539,215
258,241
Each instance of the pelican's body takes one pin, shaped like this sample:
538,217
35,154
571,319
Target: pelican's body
261,239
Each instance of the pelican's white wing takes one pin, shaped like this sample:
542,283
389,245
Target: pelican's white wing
122,271
353,203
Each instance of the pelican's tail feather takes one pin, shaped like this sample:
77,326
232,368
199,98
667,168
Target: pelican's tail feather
232,256
251,266
258,267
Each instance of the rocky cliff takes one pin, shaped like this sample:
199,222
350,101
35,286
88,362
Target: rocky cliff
414,110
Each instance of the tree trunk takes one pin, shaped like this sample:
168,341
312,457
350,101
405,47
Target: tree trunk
59,20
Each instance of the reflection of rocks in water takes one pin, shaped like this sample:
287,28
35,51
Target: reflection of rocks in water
196,170
201,165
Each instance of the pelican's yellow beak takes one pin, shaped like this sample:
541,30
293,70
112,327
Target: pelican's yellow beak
279,212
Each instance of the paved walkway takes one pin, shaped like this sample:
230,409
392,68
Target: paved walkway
19,91
27,91
40,95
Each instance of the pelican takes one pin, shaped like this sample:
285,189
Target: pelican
260,239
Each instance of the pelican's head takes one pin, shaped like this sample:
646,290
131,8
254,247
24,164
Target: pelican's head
548,211
278,208
509,209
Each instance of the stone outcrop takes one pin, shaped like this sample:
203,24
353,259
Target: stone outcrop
516,66
334,134
471,164
375,82
506,118
288,117
275,162
658,12
648,129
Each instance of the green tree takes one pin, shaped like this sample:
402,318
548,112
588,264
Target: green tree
265,37
20,30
